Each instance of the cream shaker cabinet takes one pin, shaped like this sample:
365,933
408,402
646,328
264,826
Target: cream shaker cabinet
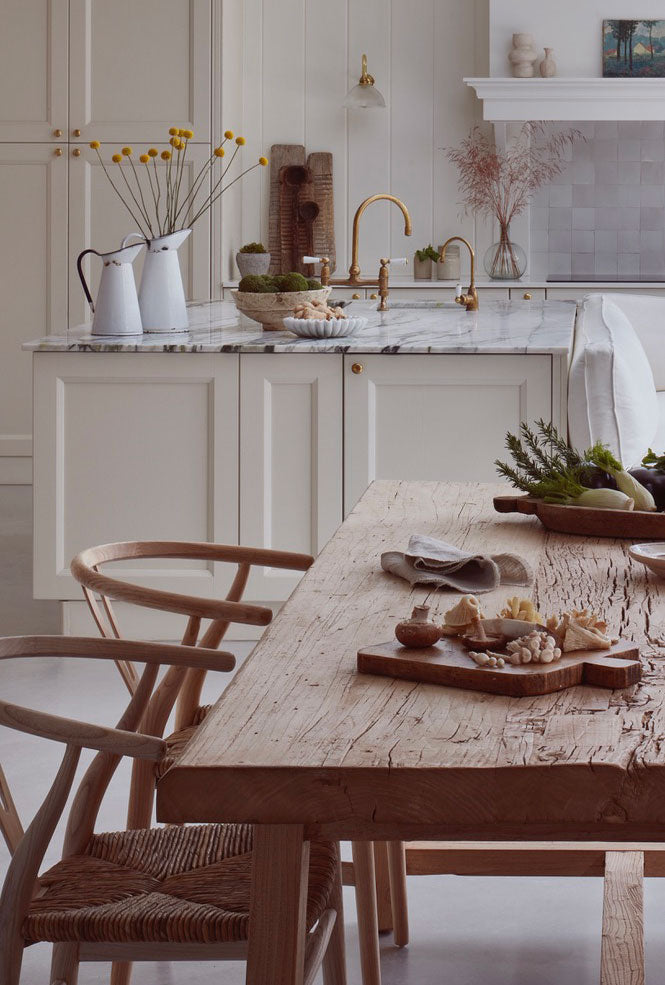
70,70
436,416
290,458
160,49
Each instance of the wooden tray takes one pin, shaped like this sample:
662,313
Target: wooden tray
585,520
448,663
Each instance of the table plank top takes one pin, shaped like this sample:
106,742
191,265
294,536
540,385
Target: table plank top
300,736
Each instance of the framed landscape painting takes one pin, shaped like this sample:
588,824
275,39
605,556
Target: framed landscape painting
634,49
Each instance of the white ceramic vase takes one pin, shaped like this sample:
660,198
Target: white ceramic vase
523,56
548,65
161,295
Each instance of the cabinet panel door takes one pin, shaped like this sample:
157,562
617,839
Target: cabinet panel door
134,447
33,69
291,464
33,277
436,416
138,68
98,219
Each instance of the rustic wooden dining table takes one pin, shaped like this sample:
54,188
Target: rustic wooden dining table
303,746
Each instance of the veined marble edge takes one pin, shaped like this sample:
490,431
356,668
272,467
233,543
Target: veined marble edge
538,328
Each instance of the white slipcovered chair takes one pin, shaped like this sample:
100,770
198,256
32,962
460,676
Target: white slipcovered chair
616,383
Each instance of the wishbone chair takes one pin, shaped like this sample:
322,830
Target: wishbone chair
376,872
174,893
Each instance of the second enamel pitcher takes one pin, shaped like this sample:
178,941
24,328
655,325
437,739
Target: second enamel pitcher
161,295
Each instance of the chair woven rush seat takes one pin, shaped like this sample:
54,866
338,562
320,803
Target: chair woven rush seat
174,884
176,741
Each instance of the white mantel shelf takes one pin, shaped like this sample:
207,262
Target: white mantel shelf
508,100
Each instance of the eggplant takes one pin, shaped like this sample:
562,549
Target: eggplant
654,481
598,479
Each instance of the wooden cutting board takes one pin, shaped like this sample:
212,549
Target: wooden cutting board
448,663
320,164
586,521
281,155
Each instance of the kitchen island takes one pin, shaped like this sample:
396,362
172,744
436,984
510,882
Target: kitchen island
206,435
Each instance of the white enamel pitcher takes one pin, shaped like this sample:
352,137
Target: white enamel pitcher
116,310
161,295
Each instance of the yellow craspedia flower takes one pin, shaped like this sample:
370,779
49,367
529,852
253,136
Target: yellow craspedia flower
153,152
219,152
173,131
175,142
127,151
187,134
94,144
228,134
117,158
240,141
144,158
166,155
263,161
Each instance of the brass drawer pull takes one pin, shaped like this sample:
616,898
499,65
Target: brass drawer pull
57,133
527,296
76,152
76,133
357,368
58,152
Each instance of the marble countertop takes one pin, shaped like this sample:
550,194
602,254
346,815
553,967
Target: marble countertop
505,327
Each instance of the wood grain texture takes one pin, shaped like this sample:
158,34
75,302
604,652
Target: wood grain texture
279,872
10,824
584,520
323,230
368,927
448,663
299,735
622,952
281,155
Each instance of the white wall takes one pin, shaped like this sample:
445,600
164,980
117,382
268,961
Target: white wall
299,59
572,27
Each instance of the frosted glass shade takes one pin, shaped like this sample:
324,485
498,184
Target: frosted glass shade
364,96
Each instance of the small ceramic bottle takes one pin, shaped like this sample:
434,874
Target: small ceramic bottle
548,65
523,56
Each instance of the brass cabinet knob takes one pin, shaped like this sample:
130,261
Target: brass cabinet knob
527,296
355,297
76,152
58,152
373,297
57,133
77,133
357,368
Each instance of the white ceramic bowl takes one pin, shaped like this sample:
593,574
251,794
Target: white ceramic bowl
324,328
652,555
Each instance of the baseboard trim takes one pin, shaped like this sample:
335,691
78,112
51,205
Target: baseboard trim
146,624
15,470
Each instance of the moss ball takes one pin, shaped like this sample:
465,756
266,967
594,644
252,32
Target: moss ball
292,282
254,284
313,284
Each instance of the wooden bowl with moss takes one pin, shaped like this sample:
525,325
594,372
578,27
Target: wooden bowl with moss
270,299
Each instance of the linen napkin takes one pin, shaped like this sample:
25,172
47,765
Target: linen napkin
434,562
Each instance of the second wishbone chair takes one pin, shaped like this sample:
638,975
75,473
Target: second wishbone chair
161,894
371,867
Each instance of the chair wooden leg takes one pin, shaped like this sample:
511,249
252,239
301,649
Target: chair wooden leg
384,907
622,952
65,964
121,972
400,905
334,962
368,926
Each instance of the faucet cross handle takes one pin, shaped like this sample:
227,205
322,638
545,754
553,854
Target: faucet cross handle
325,267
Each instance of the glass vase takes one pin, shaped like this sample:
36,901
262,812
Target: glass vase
505,260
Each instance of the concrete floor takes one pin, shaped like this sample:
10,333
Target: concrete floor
466,931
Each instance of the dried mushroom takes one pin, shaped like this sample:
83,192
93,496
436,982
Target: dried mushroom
462,616
536,647
517,608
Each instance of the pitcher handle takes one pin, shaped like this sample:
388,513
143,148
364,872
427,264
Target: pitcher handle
86,289
131,236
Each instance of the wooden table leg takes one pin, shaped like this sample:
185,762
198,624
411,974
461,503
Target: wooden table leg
278,905
622,953
368,928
